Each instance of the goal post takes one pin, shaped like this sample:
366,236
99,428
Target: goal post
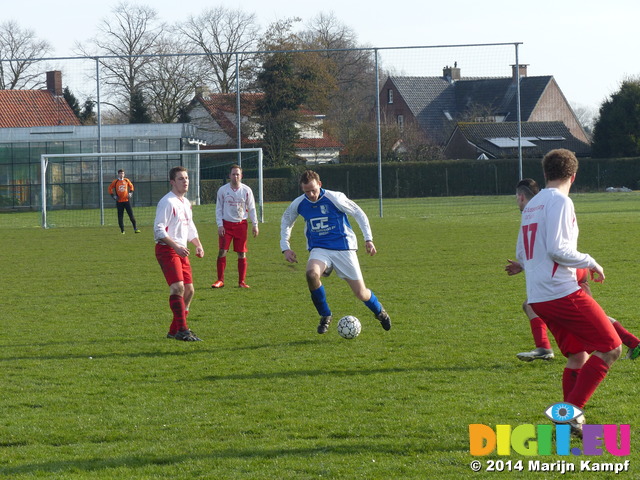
77,181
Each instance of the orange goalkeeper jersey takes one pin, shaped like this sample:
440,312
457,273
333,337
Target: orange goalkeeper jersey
122,189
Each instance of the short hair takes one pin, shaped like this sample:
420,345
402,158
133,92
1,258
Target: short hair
527,187
121,171
559,164
173,173
309,176
235,166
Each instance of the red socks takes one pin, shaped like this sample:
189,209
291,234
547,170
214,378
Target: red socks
569,377
539,331
221,265
590,376
628,338
176,302
242,269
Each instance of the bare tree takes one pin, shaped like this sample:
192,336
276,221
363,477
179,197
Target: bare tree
20,51
126,43
586,115
171,79
220,33
352,66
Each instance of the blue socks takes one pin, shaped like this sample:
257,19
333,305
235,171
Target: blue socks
373,304
320,301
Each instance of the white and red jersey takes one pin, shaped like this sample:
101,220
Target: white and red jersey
547,246
174,219
235,204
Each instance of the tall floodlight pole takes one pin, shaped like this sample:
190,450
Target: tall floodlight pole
238,116
379,134
518,114
100,171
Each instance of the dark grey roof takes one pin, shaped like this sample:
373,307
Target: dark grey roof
498,95
537,138
429,98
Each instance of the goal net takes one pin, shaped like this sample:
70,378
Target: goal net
74,187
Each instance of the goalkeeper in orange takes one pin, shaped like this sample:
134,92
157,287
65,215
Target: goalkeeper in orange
121,190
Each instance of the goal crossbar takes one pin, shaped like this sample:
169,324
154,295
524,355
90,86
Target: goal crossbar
44,162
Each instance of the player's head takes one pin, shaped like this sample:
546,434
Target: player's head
121,174
310,184
559,164
175,170
235,175
179,179
526,189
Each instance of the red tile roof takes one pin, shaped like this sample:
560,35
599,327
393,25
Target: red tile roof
34,108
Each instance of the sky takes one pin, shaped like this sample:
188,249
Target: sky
589,47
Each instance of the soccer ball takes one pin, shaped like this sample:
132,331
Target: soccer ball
349,327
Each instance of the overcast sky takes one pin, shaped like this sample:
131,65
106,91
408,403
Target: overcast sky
589,46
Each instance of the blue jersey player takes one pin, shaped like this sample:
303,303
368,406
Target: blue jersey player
331,243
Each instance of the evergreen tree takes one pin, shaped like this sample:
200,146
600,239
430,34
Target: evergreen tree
617,130
278,108
87,115
138,111
183,115
72,101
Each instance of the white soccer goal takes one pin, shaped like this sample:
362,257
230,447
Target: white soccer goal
78,181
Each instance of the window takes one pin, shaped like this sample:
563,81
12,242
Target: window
390,96
400,121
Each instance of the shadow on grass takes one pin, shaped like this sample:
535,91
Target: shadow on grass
348,373
96,354
142,461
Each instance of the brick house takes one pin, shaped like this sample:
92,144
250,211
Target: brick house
436,104
214,114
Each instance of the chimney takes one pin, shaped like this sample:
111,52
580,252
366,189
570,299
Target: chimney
203,91
54,82
451,73
522,68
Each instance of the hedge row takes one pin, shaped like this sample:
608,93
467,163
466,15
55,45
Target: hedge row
438,178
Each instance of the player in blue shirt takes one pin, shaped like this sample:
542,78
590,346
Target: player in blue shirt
332,244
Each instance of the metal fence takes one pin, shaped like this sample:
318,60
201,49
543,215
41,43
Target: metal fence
345,113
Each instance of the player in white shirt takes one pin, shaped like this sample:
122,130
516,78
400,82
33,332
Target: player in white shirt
526,189
234,204
173,229
547,251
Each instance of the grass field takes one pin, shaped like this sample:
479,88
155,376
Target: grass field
92,389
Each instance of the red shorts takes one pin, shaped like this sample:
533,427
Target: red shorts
236,231
578,322
175,268
567,342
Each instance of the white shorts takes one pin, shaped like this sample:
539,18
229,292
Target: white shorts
344,262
